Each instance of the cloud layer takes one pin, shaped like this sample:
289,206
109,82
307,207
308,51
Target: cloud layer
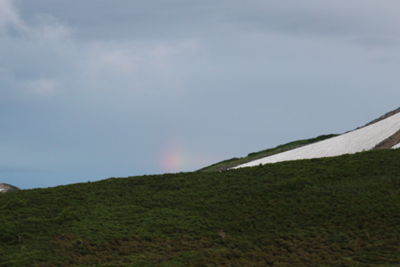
95,89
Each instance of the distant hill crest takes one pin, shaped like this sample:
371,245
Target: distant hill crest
4,188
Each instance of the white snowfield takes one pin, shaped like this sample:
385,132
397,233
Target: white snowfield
352,142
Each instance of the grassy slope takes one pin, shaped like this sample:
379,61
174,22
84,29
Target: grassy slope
230,163
341,211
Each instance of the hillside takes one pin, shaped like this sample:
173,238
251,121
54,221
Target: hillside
337,211
380,133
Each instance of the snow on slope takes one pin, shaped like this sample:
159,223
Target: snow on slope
352,142
396,146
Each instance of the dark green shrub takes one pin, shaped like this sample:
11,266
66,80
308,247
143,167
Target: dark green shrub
66,215
15,203
8,232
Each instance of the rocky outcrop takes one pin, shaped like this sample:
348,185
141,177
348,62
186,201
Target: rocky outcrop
387,115
4,188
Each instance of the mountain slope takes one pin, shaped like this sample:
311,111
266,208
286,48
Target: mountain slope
250,160
383,133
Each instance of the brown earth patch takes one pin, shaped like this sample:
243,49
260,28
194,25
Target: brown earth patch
389,142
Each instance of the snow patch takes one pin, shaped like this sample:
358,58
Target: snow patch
396,146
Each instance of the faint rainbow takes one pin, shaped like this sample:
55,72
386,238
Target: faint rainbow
173,158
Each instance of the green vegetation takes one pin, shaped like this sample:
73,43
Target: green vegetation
341,211
233,162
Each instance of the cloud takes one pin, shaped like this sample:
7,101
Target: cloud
321,19
49,29
41,87
45,29
31,47
35,88
378,42
129,68
9,18
54,59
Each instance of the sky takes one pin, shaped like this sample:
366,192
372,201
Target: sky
97,88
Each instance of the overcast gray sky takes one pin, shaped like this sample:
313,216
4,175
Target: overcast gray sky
97,88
